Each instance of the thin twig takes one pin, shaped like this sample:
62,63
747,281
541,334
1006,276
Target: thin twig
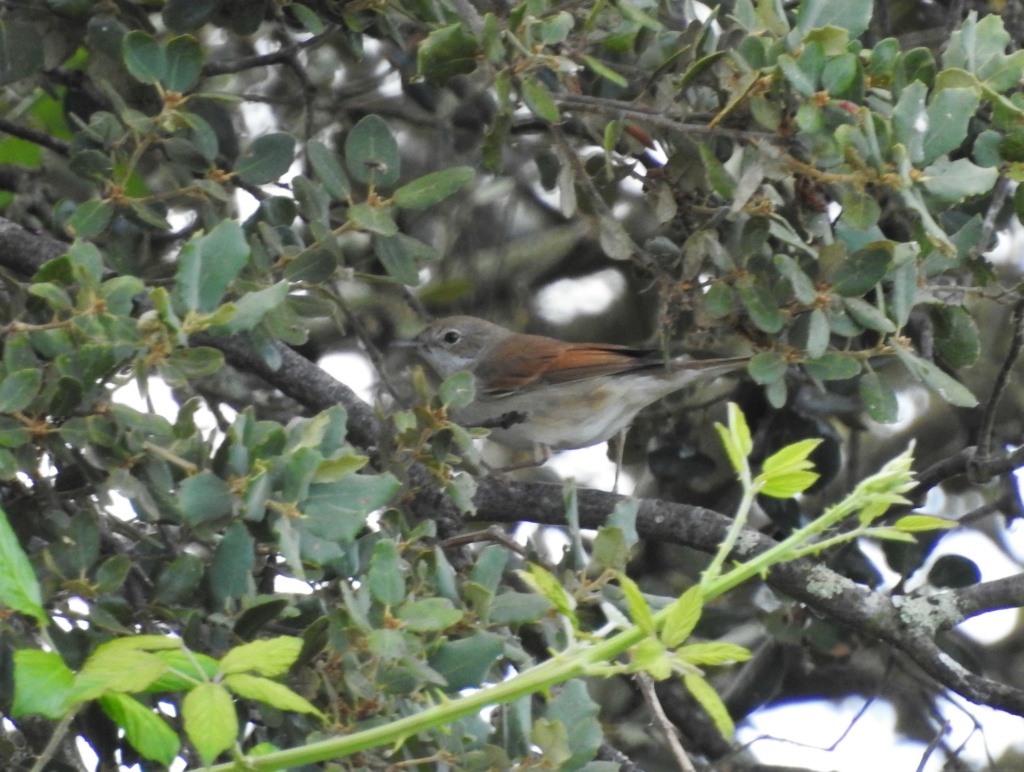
280,56
988,225
588,104
59,732
662,722
374,353
933,745
981,456
498,536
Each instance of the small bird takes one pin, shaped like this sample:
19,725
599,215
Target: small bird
533,390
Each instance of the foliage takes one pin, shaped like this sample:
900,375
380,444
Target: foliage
205,188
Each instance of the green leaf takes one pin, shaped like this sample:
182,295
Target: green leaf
802,83
328,170
789,484
947,387
610,549
465,663
116,669
42,684
718,301
862,270
196,362
650,656
402,256
112,573
787,472
144,57
446,52
252,307
949,116
867,314
185,669
910,121
552,739
308,17
576,710
793,456
852,15
760,304
90,219
145,730
270,692
375,219
833,367
539,100
18,390
803,287
434,614
682,617
371,153
386,578
266,159
13,434
490,567
978,46
337,511
819,332
204,497
208,265
956,335
179,579
271,657
860,209
767,367
878,398
516,608
208,713
713,653
547,585
21,50
736,438
19,587
432,188
184,63
639,611
922,523
457,390
189,15
606,72
708,698
230,574
953,181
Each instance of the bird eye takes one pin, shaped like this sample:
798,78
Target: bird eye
451,337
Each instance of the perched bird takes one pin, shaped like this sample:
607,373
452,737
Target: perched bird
532,390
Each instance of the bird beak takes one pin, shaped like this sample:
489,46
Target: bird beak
410,344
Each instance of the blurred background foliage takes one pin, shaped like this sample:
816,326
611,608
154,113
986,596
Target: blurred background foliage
818,183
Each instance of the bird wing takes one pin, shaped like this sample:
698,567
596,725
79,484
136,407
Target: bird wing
546,360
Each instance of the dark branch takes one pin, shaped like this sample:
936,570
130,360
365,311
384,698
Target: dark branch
38,137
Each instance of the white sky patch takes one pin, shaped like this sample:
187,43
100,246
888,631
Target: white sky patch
355,370
591,468
563,300
821,722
